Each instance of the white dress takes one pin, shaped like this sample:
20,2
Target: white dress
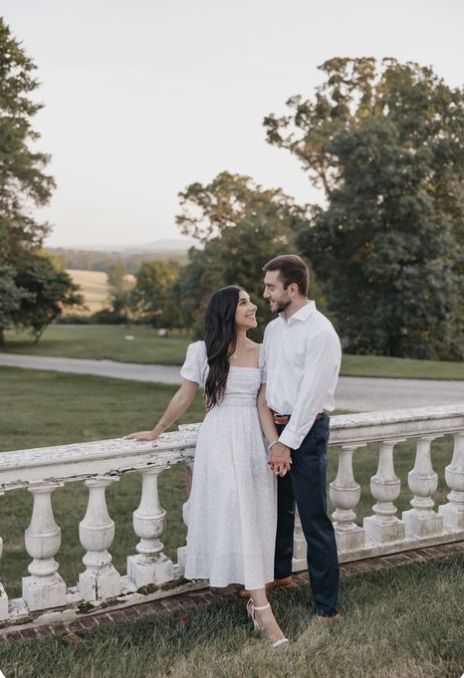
232,514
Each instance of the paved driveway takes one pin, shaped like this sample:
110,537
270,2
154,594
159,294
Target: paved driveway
353,393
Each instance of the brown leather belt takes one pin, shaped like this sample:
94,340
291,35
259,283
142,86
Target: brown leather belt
283,419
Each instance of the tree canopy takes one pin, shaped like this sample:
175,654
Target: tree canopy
239,225
24,185
385,142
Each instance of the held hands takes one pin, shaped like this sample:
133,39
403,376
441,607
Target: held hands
279,460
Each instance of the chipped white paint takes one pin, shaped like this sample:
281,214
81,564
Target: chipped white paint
150,566
44,587
100,463
96,532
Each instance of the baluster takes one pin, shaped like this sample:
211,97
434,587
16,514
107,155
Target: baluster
300,546
345,493
96,532
384,526
3,595
150,565
453,511
44,588
179,568
422,520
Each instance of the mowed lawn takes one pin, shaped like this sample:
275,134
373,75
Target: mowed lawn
49,408
143,345
401,623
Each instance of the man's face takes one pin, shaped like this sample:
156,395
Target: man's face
275,292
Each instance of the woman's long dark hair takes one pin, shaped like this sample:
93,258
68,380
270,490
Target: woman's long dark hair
220,340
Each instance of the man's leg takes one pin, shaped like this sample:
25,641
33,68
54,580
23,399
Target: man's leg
308,476
285,525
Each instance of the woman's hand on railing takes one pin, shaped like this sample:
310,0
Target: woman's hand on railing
142,435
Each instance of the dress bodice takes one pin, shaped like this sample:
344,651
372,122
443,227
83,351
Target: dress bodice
242,386
242,382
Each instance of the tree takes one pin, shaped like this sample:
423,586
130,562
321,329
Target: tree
33,290
153,298
11,297
385,143
48,291
22,179
240,225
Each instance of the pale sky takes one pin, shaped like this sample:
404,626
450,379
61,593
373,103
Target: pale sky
143,97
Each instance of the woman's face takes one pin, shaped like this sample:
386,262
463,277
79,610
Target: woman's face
245,313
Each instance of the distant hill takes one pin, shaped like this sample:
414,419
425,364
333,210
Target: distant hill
132,258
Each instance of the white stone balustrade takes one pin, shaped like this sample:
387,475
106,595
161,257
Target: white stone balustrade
345,493
384,527
96,533
3,595
453,512
44,587
422,520
150,566
101,463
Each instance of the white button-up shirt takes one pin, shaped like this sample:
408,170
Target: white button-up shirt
302,357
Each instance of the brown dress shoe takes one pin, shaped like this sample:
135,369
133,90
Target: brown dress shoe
324,619
284,583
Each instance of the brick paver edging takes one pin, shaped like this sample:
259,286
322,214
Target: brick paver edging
192,599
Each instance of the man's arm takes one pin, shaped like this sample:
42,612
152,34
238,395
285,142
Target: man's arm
279,456
321,368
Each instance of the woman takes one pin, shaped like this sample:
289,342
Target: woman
232,505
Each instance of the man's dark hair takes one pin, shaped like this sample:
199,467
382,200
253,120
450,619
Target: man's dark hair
292,269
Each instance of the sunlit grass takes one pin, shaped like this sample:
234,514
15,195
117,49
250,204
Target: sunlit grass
145,346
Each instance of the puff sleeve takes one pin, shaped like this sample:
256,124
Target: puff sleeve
195,365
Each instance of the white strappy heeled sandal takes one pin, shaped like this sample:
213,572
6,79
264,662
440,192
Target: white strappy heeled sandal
251,609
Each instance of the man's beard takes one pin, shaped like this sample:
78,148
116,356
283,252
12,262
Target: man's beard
282,305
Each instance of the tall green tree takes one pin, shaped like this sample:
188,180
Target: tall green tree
48,291
11,297
153,298
33,291
23,180
385,142
239,225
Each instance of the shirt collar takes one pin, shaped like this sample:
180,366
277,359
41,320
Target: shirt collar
302,314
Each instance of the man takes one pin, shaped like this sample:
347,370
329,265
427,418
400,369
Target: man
302,357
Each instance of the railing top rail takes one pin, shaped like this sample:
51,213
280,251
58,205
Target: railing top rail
112,457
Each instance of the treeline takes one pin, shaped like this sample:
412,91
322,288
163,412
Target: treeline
384,141
90,260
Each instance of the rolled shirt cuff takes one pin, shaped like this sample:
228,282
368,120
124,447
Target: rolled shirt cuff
290,439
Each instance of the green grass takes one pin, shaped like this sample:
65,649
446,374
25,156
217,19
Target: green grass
108,341
102,342
401,623
50,408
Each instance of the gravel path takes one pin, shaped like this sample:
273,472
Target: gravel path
353,393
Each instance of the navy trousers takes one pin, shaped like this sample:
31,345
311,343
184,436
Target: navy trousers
306,484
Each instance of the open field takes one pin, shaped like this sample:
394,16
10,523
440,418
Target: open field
110,342
103,342
94,288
